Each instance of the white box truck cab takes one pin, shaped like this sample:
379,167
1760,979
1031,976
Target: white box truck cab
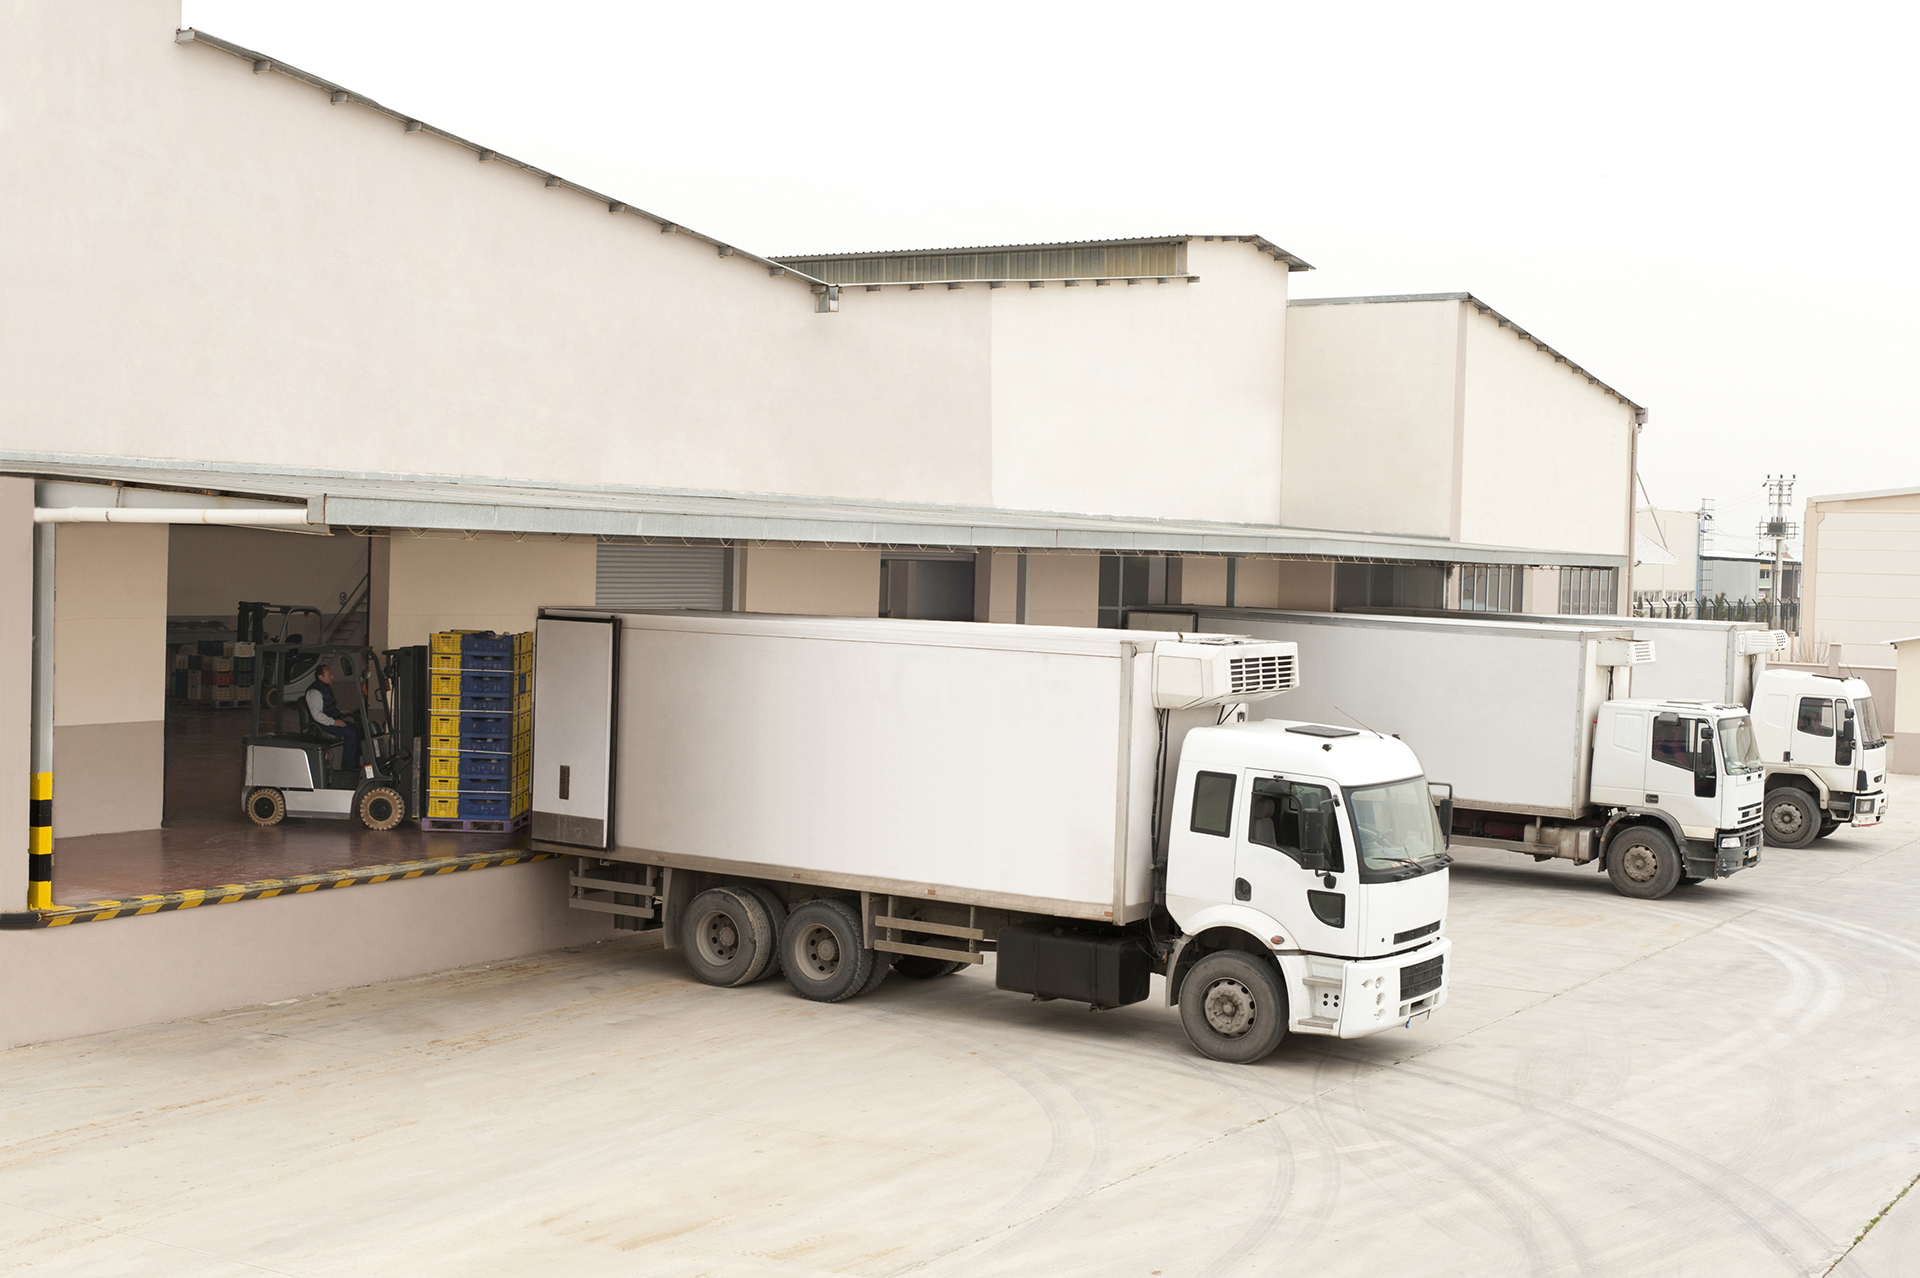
1825,756
1537,727
835,799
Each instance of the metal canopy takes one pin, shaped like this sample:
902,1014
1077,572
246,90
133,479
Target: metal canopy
372,500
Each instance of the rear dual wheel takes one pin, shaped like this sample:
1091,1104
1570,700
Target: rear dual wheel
824,953
729,936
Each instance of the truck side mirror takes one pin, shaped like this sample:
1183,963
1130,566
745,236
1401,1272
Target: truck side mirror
1843,742
1313,839
1442,795
1706,776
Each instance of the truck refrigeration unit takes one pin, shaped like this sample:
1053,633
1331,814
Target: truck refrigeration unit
1549,752
834,799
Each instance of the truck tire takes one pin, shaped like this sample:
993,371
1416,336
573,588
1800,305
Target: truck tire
1642,862
728,936
1827,826
822,954
266,806
918,967
777,911
1792,819
880,969
1234,1007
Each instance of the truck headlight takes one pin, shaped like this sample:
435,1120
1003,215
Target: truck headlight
1729,840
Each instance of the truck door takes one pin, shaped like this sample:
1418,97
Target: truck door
1671,781
576,671
1284,879
1814,728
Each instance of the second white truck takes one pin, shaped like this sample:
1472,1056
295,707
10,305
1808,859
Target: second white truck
834,799
1538,726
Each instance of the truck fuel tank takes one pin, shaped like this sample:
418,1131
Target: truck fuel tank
1087,965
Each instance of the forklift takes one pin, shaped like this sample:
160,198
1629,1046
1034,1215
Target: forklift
293,767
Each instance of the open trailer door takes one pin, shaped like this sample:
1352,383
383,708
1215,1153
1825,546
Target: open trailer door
576,671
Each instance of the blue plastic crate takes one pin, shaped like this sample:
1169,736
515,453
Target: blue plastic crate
487,643
487,767
491,706
474,808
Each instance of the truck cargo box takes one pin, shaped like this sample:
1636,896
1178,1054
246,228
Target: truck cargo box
995,765
1502,709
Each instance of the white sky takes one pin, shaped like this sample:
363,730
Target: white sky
1707,207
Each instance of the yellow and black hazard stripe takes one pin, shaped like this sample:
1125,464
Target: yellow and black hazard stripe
263,889
40,842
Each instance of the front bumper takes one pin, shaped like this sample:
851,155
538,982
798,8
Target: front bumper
1869,809
1730,852
1352,998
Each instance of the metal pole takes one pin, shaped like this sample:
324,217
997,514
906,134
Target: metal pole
40,820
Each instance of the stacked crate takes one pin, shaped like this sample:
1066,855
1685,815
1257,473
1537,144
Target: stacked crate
213,673
480,721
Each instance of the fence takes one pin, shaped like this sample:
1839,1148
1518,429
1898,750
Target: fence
1783,614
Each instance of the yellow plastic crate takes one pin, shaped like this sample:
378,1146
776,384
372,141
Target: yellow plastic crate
443,765
449,640
443,662
443,805
523,643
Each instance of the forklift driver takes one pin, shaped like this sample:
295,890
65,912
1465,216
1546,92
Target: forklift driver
328,716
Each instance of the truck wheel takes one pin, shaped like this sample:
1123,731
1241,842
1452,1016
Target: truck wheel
266,806
1792,820
1827,826
880,969
822,954
379,806
777,912
919,967
728,936
1642,862
1234,1007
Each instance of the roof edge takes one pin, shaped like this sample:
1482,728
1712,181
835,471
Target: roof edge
1639,410
1866,496
262,64
1293,263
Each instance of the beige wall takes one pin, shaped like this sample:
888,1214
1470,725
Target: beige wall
1063,590
1130,399
1305,586
1203,580
812,581
1546,455
257,241
209,570
1540,592
16,686
1862,583
1676,531
1001,584
1370,417
450,583
110,671
87,978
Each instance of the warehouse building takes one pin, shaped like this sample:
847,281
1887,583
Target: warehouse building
273,342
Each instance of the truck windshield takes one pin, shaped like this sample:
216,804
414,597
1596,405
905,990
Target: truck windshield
1397,830
1869,723
1738,748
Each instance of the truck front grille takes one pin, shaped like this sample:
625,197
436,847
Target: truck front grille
1262,674
1750,813
1421,978
1401,938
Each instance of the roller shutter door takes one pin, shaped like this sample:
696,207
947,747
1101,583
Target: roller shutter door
661,577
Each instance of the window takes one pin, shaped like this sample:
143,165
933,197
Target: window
1816,716
1490,587
1587,592
1673,741
1389,586
1126,581
1275,818
1213,804
1397,828
1870,738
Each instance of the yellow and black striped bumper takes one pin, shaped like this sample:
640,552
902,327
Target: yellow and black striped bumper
261,889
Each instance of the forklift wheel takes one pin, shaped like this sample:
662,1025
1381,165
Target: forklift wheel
379,806
266,806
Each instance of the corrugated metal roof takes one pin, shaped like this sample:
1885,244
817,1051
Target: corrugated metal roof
1260,242
1639,413
363,499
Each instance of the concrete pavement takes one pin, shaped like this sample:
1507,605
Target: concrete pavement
1721,1083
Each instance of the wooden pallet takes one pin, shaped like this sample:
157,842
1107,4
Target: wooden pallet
475,825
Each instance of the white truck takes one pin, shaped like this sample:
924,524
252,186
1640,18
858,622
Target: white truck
836,798
1818,735
1536,725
